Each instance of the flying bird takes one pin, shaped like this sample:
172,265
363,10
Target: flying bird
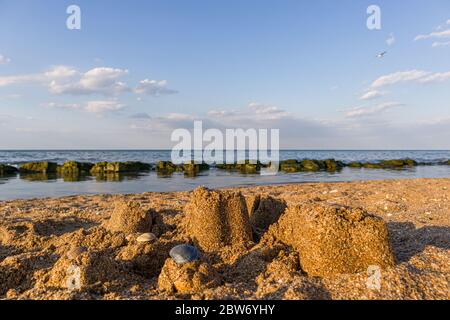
381,55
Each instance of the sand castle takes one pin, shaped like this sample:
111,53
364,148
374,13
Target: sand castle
218,219
129,218
333,240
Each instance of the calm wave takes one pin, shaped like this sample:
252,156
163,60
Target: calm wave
37,186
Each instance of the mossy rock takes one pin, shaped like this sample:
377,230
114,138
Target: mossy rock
74,168
397,163
193,169
369,165
129,166
248,168
332,165
355,164
447,162
99,168
310,165
290,166
165,167
7,170
226,166
39,167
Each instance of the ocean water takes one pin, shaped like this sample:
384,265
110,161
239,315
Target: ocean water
40,186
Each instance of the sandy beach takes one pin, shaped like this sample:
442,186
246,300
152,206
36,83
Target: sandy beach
41,239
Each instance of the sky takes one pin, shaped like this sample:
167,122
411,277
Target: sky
137,70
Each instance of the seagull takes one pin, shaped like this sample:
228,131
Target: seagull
381,55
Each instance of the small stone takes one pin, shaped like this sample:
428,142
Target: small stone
184,253
74,252
146,237
334,191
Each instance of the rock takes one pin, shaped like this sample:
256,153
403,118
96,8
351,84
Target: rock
193,277
146,237
355,164
247,167
334,240
217,219
369,165
184,253
120,167
129,166
99,167
192,169
39,167
129,217
165,167
290,166
6,170
309,165
74,168
396,163
332,165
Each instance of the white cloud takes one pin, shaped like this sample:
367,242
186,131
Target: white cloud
437,34
103,106
69,106
391,40
372,94
397,77
438,44
105,81
371,111
436,77
4,60
95,81
153,88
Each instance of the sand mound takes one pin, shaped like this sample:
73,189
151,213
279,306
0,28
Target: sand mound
84,270
264,211
217,219
129,217
334,240
193,277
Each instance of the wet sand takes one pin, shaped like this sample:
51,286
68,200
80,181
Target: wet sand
37,235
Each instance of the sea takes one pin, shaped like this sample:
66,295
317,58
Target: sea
41,186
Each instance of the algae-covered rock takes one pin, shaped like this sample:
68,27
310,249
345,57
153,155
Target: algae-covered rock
397,163
355,164
6,170
446,163
99,167
290,166
309,165
39,167
192,168
74,168
248,167
332,240
369,165
332,165
165,167
129,166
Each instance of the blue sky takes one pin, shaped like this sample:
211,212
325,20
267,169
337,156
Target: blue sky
139,69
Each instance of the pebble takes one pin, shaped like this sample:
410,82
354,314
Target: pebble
184,253
146,237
